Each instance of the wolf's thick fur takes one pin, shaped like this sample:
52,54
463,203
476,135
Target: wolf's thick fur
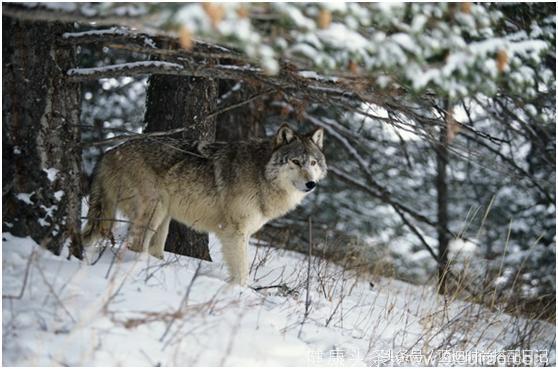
230,189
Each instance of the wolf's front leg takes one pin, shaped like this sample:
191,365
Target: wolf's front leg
235,245
157,246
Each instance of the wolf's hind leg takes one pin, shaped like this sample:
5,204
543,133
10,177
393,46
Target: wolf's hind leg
157,246
235,253
145,224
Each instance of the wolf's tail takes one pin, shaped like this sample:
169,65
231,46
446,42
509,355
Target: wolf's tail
99,214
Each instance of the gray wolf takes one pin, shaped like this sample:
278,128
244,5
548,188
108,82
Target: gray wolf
230,189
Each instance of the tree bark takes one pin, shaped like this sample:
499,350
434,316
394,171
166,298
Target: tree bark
41,155
244,122
175,102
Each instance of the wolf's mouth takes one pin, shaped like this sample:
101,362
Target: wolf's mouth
305,189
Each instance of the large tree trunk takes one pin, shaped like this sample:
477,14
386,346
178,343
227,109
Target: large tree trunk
175,102
244,122
41,155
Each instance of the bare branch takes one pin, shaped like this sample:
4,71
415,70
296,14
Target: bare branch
176,130
382,196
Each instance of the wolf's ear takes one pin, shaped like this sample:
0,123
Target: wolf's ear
283,136
318,137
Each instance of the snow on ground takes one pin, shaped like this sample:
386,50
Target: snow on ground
132,309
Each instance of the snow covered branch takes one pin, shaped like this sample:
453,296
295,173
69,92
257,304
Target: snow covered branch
150,44
286,81
125,69
160,67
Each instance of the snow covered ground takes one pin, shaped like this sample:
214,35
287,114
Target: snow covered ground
132,309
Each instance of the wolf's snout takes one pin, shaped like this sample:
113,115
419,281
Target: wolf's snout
310,185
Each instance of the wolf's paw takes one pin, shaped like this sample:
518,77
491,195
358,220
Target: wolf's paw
237,281
157,251
233,288
158,255
134,247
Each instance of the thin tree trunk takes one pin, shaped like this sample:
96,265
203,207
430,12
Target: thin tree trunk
41,155
442,200
175,102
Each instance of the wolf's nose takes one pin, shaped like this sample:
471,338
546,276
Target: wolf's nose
310,185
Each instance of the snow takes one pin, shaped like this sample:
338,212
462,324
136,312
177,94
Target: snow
25,197
123,66
531,110
462,249
132,309
129,11
58,195
378,37
51,173
339,36
336,6
313,75
419,21
245,68
405,41
501,281
88,10
237,86
193,17
66,6
149,42
43,222
306,50
295,15
96,32
373,115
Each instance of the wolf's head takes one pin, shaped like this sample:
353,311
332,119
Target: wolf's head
297,160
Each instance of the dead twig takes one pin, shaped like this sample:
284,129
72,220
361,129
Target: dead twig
307,302
183,302
57,298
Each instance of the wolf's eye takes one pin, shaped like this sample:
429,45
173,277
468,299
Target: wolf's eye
296,162
313,162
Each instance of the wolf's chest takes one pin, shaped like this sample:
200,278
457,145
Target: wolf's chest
252,211
279,204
